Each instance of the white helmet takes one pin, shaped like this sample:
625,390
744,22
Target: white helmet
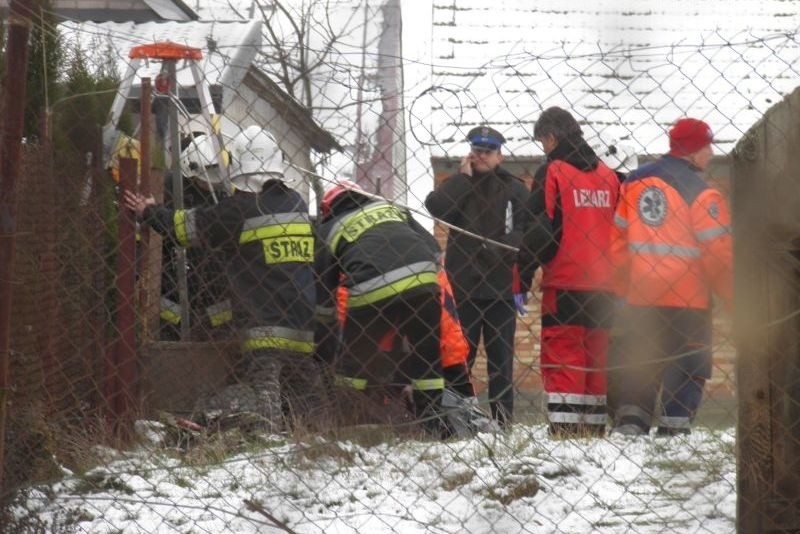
618,156
199,160
255,159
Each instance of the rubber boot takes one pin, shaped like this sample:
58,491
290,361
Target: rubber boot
429,414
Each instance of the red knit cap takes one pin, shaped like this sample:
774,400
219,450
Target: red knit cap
688,136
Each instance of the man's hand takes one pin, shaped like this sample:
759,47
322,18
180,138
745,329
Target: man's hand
466,165
137,203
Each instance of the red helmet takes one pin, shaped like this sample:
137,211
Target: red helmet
335,192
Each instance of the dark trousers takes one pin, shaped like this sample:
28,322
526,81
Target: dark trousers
662,357
416,318
496,320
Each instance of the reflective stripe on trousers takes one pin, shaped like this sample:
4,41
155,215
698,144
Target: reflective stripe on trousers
280,338
576,408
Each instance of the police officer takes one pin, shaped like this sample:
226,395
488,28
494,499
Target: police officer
263,231
489,201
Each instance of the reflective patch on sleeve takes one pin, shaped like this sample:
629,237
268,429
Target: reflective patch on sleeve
185,224
711,233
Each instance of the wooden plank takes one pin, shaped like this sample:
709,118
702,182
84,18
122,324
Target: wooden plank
767,278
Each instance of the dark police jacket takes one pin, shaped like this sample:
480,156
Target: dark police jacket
490,205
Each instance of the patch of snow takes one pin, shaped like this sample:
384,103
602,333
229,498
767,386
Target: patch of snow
486,484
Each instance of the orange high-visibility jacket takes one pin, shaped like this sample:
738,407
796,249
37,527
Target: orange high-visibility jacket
671,242
453,345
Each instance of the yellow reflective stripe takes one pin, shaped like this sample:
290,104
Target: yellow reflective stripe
354,225
288,217
275,230
179,220
393,275
170,311
390,290
279,337
350,382
220,313
279,343
220,318
427,384
185,228
170,317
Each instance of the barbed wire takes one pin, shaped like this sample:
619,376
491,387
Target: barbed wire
483,469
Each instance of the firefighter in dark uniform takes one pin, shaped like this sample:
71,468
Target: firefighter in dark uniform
206,281
264,232
486,200
387,263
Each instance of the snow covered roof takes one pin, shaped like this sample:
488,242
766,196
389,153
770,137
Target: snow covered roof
625,69
120,10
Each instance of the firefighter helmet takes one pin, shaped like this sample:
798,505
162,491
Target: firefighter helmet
199,160
335,192
255,159
619,156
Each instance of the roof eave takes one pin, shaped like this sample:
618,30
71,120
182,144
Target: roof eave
291,111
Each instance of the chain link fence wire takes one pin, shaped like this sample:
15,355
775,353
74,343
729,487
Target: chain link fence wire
223,429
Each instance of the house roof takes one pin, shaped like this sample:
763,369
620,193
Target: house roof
627,70
291,111
119,10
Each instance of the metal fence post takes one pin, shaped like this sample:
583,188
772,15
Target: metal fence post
124,359
13,116
149,260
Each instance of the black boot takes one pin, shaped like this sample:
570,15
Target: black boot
428,412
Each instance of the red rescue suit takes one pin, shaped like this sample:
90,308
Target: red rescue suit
573,203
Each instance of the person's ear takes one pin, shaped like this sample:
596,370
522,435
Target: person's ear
499,157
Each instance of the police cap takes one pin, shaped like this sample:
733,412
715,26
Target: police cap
485,137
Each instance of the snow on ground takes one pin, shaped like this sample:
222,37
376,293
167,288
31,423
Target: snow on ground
522,481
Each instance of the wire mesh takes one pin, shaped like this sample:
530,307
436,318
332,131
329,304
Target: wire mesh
304,364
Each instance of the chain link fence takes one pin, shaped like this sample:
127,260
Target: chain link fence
234,386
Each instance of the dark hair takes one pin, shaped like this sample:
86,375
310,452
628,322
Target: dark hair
558,122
